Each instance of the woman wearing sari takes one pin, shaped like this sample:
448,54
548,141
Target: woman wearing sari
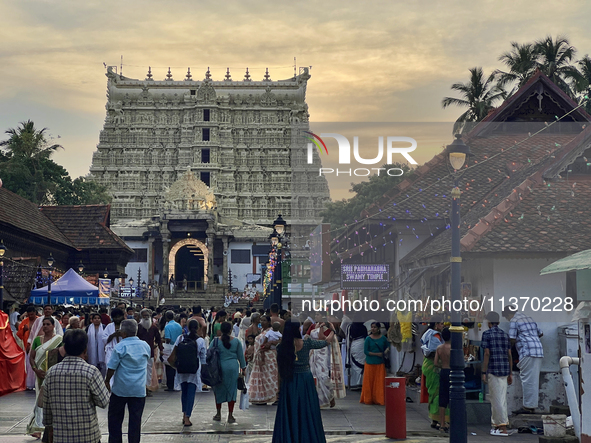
298,418
39,362
375,369
430,378
326,364
264,379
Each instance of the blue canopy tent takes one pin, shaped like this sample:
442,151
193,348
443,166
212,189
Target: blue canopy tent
71,288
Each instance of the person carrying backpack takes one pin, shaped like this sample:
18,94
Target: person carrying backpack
187,356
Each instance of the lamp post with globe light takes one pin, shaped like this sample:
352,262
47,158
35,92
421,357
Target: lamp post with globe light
50,266
457,152
279,229
131,289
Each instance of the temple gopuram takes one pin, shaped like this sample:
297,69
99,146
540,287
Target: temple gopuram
198,171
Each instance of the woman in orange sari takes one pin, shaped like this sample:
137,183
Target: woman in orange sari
374,372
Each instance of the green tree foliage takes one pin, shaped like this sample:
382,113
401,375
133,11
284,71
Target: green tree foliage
26,168
346,211
479,95
585,82
555,57
522,62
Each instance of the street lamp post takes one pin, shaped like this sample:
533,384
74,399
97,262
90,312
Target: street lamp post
131,289
457,152
279,225
2,252
50,265
81,267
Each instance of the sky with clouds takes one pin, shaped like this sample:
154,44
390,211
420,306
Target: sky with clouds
372,61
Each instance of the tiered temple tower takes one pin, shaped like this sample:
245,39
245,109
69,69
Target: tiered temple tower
240,137
243,139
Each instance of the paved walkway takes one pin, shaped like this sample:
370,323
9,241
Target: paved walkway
349,421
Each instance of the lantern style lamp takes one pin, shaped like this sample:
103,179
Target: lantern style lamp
279,225
457,153
274,238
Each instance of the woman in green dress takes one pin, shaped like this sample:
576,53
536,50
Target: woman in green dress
39,362
231,359
298,418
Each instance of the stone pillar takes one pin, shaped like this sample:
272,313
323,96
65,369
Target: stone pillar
210,239
165,250
224,278
150,260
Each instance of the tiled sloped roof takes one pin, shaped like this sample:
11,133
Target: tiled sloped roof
555,217
432,202
490,211
22,214
86,226
535,216
483,143
558,96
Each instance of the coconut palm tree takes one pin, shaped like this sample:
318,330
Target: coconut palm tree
479,95
522,62
584,85
555,58
25,157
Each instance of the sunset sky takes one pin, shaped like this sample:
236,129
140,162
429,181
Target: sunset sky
373,61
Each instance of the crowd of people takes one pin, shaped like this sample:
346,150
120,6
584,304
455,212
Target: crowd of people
134,351
297,362
497,367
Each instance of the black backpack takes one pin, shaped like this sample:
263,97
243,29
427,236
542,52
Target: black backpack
187,360
211,372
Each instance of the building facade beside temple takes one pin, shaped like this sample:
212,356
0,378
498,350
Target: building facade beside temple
198,171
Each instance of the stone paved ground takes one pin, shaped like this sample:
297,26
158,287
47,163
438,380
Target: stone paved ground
349,421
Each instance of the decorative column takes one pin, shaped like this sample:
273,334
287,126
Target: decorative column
150,259
165,250
224,278
210,239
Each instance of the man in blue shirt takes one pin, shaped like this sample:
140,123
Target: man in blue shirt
496,371
172,331
127,367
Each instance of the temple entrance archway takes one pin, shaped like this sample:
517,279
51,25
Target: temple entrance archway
189,256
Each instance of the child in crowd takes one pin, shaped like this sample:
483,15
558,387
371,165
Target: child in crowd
249,353
274,335
442,357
